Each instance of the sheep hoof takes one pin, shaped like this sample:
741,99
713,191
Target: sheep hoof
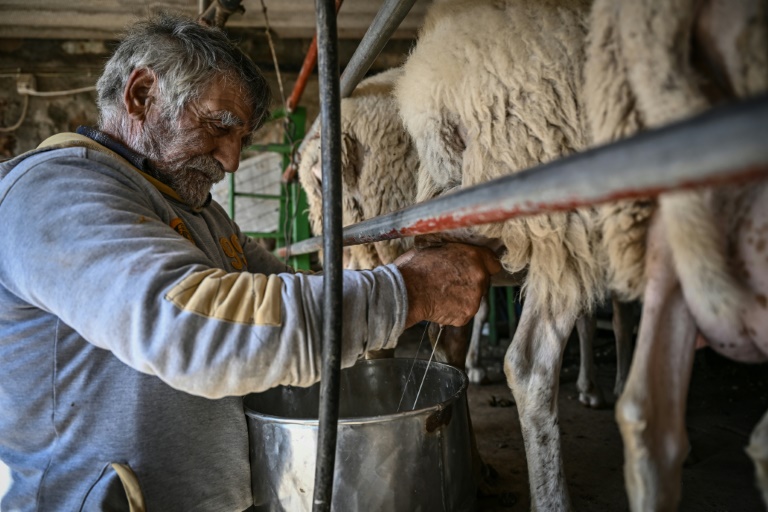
477,375
592,400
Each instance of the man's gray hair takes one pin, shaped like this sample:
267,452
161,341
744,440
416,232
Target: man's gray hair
186,57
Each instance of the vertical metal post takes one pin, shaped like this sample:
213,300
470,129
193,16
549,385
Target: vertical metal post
231,195
296,200
330,115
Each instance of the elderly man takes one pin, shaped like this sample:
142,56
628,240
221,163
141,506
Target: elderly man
134,314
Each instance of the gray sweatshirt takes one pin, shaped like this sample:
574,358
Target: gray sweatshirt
131,325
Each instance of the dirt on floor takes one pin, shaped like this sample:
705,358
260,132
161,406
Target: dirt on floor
726,400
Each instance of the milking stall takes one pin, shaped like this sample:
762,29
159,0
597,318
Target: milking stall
478,255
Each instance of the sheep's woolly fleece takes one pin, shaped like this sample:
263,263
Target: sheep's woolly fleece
378,165
494,88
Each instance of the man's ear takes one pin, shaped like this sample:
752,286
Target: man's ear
138,94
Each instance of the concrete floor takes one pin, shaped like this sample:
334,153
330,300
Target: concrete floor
725,402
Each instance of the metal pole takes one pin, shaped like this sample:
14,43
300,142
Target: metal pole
389,17
330,114
722,145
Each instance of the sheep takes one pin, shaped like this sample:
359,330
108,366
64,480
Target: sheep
379,170
491,88
705,270
379,173
495,87
379,167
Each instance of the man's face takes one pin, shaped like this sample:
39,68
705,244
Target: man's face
195,151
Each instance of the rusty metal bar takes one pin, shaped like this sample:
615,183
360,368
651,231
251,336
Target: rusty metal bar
724,144
306,69
301,82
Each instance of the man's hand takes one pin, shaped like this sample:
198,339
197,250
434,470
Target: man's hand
446,284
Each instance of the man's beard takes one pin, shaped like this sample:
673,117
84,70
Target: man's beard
167,149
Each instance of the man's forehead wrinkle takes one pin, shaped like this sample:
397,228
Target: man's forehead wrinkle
226,117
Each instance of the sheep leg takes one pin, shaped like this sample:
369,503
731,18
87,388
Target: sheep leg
651,411
532,366
623,330
758,451
452,345
590,393
475,370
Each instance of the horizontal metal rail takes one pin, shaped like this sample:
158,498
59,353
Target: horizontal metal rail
724,144
255,195
262,234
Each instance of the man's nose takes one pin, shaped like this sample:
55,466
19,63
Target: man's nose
227,152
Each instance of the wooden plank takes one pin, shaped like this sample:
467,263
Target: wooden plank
79,19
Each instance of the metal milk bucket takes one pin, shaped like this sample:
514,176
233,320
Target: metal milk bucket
413,460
